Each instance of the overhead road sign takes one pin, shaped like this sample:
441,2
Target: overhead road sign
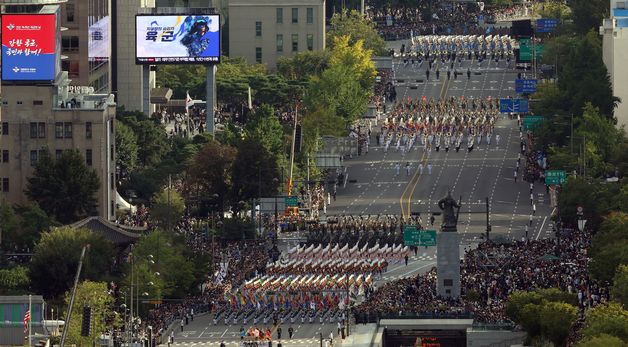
415,237
525,85
546,25
526,49
555,176
513,105
532,122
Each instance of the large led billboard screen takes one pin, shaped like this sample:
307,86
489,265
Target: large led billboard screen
177,39
29,47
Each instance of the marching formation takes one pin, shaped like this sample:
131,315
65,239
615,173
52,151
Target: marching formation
451,47
441,124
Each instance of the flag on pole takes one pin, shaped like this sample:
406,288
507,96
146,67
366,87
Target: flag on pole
250,99
188,102
27,318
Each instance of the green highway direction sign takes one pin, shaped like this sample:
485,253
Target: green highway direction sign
555,176
414,237
532,122
525,50
292,201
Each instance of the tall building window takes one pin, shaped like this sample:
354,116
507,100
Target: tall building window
5,128
69,13
258,28
88,130
279,15
41,130
5,155
58,130
88,157
310,42
258,55
58,153
70,43
310,15
295,42
5,184
34,158
67,130
279,43
33,130
295,15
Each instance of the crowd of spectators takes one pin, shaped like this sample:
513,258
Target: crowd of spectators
446,19
489,274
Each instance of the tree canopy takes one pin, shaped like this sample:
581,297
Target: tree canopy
56,256
65,188
358,28
96,296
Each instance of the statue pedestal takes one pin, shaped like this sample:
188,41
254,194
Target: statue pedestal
448,263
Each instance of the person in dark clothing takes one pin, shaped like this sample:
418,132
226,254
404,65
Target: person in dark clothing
290,332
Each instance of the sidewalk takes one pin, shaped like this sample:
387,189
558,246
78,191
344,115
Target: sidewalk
362,335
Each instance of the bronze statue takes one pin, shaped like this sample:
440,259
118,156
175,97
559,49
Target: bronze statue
450,218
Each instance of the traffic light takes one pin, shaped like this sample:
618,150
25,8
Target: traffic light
86,326
297,139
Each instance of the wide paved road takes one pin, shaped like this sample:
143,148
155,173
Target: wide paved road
373,187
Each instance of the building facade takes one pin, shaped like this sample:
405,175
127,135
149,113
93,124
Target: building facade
261,31
614,31
131,82
87,43
57,117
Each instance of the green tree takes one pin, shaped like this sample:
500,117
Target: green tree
619,290
518,300
56,256
210,172
126,148
609,247
176,275
302,65
64,188
152,139
266,129
556,319
167,208
584,77
254,169
9,229
609,319
14,281
588,14
557,295
358,28
345,86
602,340
96,296
552,9
182,79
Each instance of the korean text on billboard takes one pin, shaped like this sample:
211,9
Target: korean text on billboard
177,39
29,47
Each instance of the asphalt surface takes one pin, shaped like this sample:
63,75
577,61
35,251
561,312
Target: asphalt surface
373,187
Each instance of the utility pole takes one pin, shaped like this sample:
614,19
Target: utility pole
76,278
488,221
294,137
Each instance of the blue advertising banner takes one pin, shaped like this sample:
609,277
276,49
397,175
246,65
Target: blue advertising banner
525,86
546,25
513,105
169,39
29,47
